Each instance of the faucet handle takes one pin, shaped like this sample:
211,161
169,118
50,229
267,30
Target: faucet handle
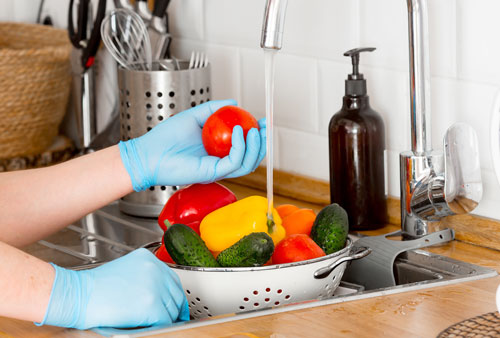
463,186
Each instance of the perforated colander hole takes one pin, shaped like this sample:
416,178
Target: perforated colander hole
255,292
242,308
201,91
279,291
163,188
148,94
175,188
172,105
148,128
160,94
276,303
245,299
188,292
287,297
160,118
160,106
206,308
192,302
326,286
171,94
208,89
128,116
193,92
199,311
152,188
193,104
148,106
127,92
198,299
201,101
255,304
209,315
267,300
334,277
128,104
149,117
128,128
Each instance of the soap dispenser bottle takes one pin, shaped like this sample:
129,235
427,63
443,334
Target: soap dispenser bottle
357,154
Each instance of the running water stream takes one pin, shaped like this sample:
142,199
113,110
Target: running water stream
269,55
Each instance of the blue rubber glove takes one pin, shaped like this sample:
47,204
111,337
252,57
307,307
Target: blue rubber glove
172,153
134,290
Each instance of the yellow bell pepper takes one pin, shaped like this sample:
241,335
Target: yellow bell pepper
225,226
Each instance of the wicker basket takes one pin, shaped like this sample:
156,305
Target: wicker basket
35,78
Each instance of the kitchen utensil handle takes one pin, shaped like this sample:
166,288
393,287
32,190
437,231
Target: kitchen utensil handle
160,8
325,271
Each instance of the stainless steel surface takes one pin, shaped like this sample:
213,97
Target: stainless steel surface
148,98
273,23
433,185
198,60
436,185
159,37
107,234
127,39
418,38
99,237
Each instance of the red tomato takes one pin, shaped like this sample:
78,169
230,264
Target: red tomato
296,248
217,131
162,254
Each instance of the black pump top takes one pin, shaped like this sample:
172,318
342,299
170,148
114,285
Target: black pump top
355,85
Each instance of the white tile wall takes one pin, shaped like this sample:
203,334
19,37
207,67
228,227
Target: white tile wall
464,55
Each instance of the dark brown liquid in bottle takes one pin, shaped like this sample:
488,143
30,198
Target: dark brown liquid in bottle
357,163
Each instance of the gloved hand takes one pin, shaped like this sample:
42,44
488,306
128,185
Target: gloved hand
134,290
172,153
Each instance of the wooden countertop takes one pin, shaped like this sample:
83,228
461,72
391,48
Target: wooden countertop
423,313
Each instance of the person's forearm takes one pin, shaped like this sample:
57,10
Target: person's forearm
26,283
35,203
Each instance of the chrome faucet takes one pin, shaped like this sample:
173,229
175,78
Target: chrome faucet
434,184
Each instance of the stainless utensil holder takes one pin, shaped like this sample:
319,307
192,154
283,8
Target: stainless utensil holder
148,98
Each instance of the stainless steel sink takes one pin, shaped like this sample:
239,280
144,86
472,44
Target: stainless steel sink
107,234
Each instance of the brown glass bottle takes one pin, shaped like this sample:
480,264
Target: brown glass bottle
357,156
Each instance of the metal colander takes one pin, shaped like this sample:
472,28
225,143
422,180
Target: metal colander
215,291
148,98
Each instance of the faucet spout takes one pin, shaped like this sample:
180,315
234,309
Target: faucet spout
272,26
418,38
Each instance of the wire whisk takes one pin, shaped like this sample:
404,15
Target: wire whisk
126,37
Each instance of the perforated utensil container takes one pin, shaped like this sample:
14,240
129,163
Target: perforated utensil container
148,98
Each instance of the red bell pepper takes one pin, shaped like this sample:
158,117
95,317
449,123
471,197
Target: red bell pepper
190,205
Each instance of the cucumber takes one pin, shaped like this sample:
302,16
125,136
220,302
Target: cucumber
330,228
187,248
255,249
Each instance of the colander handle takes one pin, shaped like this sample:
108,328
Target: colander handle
325,271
